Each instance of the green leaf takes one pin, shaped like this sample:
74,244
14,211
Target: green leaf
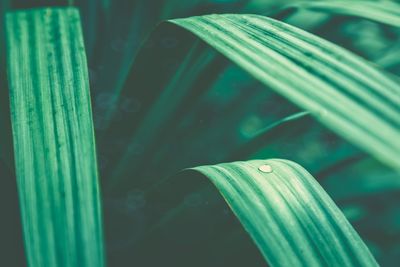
385,12
289,216
53,138
346,183
368,28
128,23
259,138
351,97
341,90
280,209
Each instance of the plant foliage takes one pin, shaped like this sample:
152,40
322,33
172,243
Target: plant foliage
200,90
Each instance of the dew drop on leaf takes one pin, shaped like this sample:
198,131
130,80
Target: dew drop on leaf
265,168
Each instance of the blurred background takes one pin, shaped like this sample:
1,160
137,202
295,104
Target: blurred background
163,101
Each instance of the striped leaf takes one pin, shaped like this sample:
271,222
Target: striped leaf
288,215
53,138
385,12
344,92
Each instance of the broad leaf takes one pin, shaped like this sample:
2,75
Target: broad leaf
343,92
288,215
53,138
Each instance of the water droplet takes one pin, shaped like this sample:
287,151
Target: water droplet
265,168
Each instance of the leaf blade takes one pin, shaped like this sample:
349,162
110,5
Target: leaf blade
288,215
53,138
341,103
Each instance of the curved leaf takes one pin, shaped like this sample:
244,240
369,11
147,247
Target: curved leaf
341,90
289,216
352,98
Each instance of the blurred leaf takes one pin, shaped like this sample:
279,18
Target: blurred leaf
376,219
360,179
354,99
386,12
126,27
184,104
367,28
257,140
349,101
53,138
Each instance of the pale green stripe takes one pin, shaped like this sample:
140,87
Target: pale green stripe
344,92
53,138
287,213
